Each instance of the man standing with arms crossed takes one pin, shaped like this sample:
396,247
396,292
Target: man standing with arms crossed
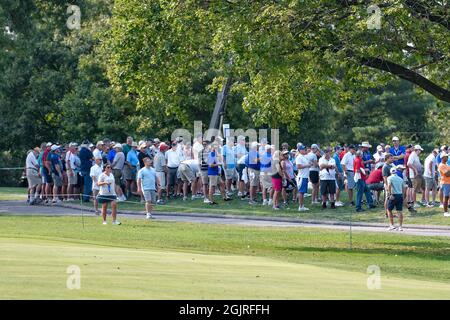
397,151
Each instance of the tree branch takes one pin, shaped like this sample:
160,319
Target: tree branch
422,11
407,74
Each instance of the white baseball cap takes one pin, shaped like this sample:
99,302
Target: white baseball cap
393,170
418,147
118,145
54,147
395,139
49,144
379,148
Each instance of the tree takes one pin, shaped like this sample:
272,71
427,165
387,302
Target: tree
287,56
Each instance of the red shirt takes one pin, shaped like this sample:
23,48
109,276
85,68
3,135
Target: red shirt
405,161
357,165
342,154
376,176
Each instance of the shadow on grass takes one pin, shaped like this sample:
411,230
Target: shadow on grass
421,253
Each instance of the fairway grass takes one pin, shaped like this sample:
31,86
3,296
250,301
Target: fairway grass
165,260
37,269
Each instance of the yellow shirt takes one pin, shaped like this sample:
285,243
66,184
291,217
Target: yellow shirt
443,168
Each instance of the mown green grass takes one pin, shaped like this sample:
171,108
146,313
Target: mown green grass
151,259
425,216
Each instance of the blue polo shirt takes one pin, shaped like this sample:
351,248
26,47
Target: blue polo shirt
252,160
266,162
212,159
111,155
132,157
55,160
401,150
229,157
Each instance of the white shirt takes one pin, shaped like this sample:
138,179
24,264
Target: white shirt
71,158
180,151
196,148
327,174
414,161
378,157
430,159
31,162
107,189
302,173
193,164
173,158
312,157
96,171
348,160
97,153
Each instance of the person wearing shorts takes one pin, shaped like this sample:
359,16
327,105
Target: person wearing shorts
188,173
429,176
349,175
130,169
266,175
146,185
73,165
340,184
107,194
375,181
96,171
213,174
33,176
56,172
395,198
46,173
314,172
229,163
161,170
241,152
254,166
277,179
203,156
327,173
444,171
289,183
117,166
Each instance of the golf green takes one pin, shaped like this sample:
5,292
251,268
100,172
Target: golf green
37,269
